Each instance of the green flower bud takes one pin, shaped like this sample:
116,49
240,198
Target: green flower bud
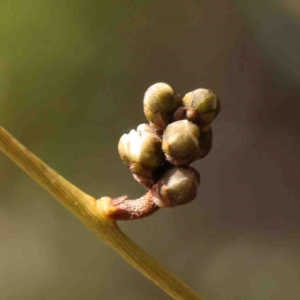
141,151
202,106
181,142
177,186
160,103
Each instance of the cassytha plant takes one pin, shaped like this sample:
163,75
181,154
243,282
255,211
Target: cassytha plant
159,155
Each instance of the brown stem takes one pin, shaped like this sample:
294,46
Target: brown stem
122,208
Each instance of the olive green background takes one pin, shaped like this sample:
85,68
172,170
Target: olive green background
72,78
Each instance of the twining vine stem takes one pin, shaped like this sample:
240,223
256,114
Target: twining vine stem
90,212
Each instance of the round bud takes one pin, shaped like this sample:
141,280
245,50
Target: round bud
202,106
141,151
177,186
181,142
160,103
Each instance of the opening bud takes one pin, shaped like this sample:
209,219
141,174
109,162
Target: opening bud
160,103
141,151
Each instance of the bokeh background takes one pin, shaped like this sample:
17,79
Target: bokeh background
72,78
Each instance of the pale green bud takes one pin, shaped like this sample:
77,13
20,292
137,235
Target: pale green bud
160,103
181,142
177,186
202,106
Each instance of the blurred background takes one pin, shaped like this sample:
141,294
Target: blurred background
72,79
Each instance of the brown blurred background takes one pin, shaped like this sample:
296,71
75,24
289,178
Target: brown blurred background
72,78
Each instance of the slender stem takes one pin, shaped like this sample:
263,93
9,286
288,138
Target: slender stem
90,213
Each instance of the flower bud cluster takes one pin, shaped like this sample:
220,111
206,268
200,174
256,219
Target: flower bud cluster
179,132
